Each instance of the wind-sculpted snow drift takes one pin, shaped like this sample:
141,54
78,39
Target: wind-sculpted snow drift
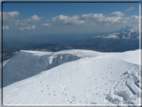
72,77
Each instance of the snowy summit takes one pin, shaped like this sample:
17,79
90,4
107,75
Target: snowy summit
72,77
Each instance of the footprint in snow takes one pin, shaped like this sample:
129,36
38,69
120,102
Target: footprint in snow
73,96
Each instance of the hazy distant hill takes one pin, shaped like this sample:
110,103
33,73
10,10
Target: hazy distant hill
112,42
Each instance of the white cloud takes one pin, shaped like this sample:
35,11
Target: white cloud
30,27
116,14
90,20
33,18
5,27
132,20
92,16
129,9
118,18
109,20
9,16
114,17
77,20
112,36
134,29
46,24
66,20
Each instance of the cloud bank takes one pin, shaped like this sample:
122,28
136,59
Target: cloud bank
74,20
89,19
33,18
30,27
9,16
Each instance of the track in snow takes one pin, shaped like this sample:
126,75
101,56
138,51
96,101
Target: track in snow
93,78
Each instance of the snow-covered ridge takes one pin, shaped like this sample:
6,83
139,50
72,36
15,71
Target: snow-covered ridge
39,53
94,78
89,53
29,63
76,52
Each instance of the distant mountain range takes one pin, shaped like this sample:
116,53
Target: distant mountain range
120,35
119,41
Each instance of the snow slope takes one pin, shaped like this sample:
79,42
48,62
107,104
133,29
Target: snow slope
72,77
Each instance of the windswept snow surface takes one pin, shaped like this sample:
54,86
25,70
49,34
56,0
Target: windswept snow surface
77,77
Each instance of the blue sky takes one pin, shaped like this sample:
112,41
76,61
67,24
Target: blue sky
28,19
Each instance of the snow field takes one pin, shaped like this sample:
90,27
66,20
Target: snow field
79,77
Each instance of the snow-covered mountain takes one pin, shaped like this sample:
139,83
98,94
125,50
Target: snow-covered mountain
72,77
120,35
